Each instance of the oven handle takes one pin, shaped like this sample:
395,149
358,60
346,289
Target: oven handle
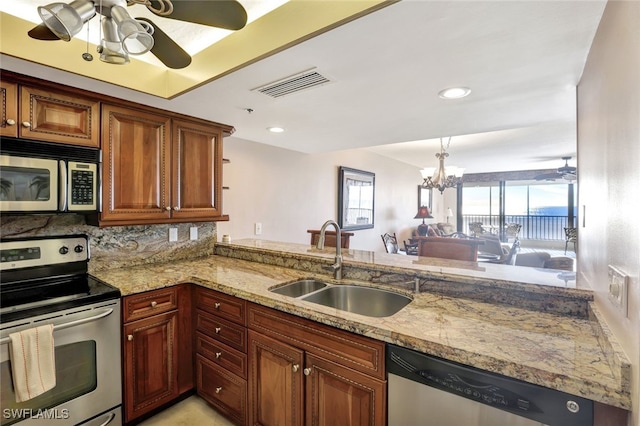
70,323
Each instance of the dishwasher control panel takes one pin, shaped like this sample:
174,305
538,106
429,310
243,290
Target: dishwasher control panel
544,405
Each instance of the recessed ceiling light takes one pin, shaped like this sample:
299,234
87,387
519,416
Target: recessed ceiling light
275,129
454,92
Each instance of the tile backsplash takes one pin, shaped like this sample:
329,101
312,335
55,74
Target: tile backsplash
117,246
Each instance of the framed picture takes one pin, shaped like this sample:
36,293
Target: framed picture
424,197
356,193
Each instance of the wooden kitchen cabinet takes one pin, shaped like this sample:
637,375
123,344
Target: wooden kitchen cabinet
136,150
152,174
302,372
158,362
50,115
221,352
8,108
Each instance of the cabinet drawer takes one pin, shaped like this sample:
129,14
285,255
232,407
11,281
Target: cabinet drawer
350,350
149,303
225,391
221,305
222,355
222,330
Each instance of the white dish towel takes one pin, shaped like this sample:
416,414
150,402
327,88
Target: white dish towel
33,363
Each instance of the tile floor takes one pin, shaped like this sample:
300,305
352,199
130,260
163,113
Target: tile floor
193,411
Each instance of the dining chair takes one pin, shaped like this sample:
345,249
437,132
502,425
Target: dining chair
411,248
390,243
570,236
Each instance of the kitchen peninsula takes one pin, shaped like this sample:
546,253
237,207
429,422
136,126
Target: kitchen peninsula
526,324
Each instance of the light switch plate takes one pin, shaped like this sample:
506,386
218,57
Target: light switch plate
173,235
618,283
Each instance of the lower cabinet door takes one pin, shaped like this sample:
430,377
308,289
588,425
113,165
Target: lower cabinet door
336,395
225,391
150,363
275,382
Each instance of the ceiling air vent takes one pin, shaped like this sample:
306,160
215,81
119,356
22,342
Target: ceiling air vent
293,84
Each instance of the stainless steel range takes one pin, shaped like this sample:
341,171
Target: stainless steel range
45,281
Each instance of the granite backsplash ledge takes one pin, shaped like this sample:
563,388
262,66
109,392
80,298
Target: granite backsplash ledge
117,246
470,280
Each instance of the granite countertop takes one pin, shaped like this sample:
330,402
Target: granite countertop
573,354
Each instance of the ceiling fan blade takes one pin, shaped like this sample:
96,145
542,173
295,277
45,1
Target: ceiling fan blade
548,176
227,14
167,50
42,32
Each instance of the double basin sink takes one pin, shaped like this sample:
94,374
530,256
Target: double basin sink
368,301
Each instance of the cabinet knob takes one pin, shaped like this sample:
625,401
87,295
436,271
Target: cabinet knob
130,337
218,355
26,124
168,208
219,389
296,367
177,208
216,305
154,304
307,371
10,122
218,330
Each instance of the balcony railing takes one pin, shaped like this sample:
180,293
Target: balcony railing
533,227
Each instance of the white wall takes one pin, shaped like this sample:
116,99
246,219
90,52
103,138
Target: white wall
609,172
290,192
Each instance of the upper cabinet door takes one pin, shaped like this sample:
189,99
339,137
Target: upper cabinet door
136,159
8,109
196,170
56,117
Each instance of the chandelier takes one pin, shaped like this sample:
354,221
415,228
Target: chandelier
441,178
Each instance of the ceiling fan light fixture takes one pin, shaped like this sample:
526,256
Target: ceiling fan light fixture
136,38
454,93
66,20
111,50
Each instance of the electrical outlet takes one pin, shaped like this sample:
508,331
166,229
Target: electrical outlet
618,283
193,233
258,228
173,235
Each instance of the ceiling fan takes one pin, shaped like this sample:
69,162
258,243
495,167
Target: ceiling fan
122,35
565,172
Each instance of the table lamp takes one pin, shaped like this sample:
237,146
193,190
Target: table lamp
423,213
449,214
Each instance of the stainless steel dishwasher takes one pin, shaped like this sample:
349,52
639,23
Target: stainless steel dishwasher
429,391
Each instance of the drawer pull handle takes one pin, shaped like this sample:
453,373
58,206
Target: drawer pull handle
130,337
218,330
219,389
216,305
307,371
296,367
10,122
26,124
218,355
154,304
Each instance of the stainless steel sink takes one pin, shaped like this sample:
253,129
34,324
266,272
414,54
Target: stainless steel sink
369,301
299,288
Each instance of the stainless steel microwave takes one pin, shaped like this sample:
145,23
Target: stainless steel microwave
40,177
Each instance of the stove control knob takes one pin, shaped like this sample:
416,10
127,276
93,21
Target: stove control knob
78,248
64,250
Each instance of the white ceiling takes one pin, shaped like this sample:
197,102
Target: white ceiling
521,59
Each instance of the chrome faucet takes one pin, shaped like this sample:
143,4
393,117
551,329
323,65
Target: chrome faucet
337,266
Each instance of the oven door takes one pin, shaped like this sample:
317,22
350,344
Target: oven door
29,184
88,368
